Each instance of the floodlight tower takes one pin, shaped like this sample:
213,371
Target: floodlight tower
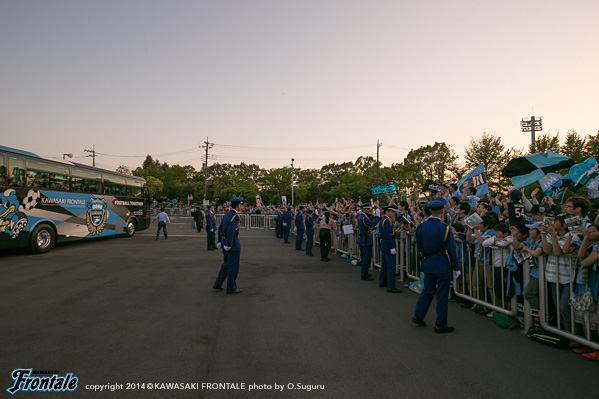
532,125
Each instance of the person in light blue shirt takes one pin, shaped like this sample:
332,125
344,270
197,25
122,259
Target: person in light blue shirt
471,197
162,218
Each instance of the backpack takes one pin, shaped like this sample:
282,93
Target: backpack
504,321
536,333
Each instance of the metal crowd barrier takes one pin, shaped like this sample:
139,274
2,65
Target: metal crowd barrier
575,316
478,282
257,222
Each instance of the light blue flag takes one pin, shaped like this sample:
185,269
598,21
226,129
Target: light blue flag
548,181
476,178
580,173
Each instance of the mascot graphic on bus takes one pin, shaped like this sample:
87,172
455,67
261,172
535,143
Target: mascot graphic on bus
97,214
12,217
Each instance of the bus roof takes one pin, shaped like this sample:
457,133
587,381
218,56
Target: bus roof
58,160
21,152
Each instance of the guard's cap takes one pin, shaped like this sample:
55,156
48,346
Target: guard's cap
366,206
288,208
537,209
237,199
388,207
310,210
302,206
209,206
534,225
437,203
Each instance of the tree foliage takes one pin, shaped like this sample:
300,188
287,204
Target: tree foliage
437,162
490,151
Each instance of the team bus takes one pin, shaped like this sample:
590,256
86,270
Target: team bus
44,201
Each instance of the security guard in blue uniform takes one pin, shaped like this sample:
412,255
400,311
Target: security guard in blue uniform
279,223
231,247
210,228
287,219
311,217
366,224
388,251
438,256
300,226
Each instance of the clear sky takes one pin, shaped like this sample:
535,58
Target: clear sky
270,80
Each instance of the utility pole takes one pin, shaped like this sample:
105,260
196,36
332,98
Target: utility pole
292,159
377,161
207,145
93,155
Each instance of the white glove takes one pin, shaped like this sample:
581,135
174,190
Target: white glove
227,248
218,246
284,224
456,274
378,212
393,251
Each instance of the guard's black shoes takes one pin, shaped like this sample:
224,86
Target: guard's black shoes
394,290
442,330
417,320
369,278
217,287
235,292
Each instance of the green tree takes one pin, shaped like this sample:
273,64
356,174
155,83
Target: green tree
546,142
592,148
574,147
427,162
154,186
489,151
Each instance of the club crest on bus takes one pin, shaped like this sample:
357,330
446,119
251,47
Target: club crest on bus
12,220
97,214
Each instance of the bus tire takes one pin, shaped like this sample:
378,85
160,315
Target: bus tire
130,228
42,239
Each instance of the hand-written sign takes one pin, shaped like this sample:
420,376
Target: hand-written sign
388,188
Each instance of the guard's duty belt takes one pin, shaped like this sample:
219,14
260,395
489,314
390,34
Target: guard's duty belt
428,255
364,234
224,235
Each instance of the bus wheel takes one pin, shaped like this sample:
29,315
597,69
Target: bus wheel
130,229
42,239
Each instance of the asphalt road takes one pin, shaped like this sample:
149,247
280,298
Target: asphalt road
139,311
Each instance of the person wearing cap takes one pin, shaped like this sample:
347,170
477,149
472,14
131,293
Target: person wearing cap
198,217
210,227
162,218
538,213
279,223
327,226
437,251
300,226
287,218
366,223
388,250
311,217
229,242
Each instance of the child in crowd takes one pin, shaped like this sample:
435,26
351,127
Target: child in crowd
591,262
482,256
496,274
463,253
559,244
530,244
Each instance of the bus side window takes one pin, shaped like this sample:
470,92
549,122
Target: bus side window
16,170
2,171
